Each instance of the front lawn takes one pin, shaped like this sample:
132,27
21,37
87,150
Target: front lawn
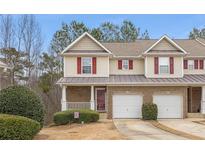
102,130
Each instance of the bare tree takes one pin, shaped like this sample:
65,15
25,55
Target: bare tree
7,36
30,41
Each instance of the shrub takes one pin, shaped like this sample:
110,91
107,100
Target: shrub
19,100
149,111
17,127
64,117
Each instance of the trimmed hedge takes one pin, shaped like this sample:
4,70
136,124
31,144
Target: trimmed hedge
17,127
149,111
20,100
64,117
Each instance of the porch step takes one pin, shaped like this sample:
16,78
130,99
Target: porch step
103,115
195,115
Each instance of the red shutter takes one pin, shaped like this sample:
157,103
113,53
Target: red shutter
185,64
119,64
201,64
94,65
171,62
196,64
130,64
156,65
79,65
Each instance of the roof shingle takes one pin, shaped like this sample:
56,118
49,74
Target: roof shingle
192,47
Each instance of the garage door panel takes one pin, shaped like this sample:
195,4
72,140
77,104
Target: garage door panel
127,106
169,106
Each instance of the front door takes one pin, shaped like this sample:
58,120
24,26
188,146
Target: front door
100,94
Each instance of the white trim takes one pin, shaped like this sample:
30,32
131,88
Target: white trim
182,63
170,40
79,38
203,100
91,72
138,84
161,73
92,98
200,42
123,62
165,53
188,64
116,57
87,75
108,61
145,66
187,57
94,54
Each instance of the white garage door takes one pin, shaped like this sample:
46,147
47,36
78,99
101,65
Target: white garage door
127,106
169,106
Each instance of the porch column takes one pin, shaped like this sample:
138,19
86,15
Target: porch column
92,104
203,100
63,99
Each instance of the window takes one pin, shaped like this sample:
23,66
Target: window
190,64
164,65
125,64
86,65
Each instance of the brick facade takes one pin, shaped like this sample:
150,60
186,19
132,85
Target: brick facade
78,93
147,93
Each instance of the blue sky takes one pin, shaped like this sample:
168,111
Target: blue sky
176,26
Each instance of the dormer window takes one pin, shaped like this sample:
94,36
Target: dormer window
86,65
163,65
125,64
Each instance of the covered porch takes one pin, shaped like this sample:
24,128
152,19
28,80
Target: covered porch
84,97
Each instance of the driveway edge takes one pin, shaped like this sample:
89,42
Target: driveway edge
174,131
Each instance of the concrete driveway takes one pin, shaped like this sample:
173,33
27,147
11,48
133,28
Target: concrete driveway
193,126
142,130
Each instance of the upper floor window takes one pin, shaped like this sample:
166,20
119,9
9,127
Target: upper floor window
190,64
125,64
163,65
86,65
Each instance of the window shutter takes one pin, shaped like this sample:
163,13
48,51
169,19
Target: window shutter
201,64
156,65
185,64
119,64
94,65
195,64
130,64
79,65
171,61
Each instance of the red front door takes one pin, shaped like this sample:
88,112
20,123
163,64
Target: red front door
100,99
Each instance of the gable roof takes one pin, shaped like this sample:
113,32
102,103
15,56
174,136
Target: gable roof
192,48
82,36
169,40
137,48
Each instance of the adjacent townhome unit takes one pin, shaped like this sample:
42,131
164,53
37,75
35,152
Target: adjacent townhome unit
118,77
4,80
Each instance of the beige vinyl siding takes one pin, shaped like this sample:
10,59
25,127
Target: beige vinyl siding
194,71
70,67
86,43
178,71
138,67
164,45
